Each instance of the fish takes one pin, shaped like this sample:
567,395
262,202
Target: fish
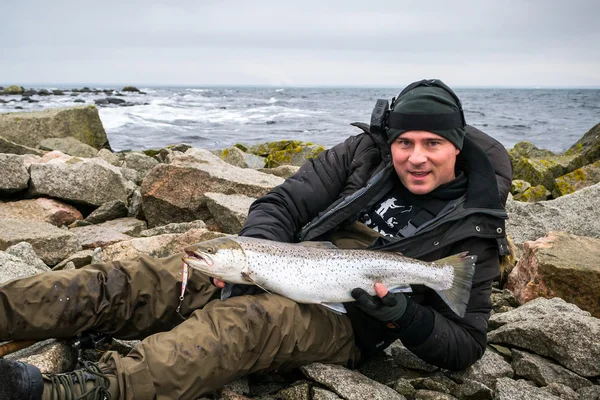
321,273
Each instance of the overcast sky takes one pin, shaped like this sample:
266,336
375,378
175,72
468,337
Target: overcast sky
546,43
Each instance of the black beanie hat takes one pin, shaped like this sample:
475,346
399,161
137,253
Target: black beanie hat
422,105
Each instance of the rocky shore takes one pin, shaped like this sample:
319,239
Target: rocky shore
67,200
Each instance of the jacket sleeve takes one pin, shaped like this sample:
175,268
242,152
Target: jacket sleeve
280,214
438,336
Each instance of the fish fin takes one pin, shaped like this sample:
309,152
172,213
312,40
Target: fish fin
337,308
457,296
319,245
401,289
247,277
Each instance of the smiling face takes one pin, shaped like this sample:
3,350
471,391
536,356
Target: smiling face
423,160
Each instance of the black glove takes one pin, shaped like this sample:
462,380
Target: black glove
387,309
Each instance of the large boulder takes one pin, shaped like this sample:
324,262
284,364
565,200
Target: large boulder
20,261
549,268
551,328
576,213
90,181
106,233
8,147
538,166
14,176
30,128
578,179
176,192
587,149
50,243
229,211
14,90
46,210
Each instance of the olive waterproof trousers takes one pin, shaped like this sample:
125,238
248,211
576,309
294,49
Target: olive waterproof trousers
211,343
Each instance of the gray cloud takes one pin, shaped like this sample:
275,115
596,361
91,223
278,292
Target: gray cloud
515,42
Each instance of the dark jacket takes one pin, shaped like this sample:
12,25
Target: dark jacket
335,188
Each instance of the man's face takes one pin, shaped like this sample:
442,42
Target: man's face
423,160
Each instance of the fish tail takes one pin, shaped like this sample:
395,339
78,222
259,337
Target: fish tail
457,296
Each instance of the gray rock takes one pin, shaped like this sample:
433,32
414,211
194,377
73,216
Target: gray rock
472,390
432,395
50,356
436,382
13,267
240,386
234,156
89,181
589,393
81,259
42,209
404,387
27,254
299,391
101,235
69,145
547,328
108,211
229,211
140,163
574,213
173,228
50,243
486,371
14,176
350,385
322,394
562,391
508,389
29,128
110,157
134,208
8,147
283,171
156,246
544,372
407,359
175,192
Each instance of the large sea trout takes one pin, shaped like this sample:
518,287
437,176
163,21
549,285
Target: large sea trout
319,272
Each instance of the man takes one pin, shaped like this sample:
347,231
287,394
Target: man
417,181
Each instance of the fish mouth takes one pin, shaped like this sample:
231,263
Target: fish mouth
194,256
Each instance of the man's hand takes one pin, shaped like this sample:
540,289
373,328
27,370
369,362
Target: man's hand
386,306
218,283
233,290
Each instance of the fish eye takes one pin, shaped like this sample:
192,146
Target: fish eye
210,250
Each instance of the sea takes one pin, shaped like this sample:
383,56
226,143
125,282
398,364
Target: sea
219,117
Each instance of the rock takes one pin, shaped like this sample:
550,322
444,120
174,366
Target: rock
350,385
50,243
283,171
548,268
110,157
46,210
519,186
437,382
587,149
432,395
29,128
533,194
140,163
90,181
156,246
236,157
544,372
106,233
322,394
503,300
14,176
115,100
227,394
472,390
58,92
27,254
282,152
229,211
107,211
297,392
130,89
537,166
486,371
583,177
561,391
404,387
50,356
552,328
173,228
81,259
134,209
176,192
407,359
589,393
13,267
8,147
575,213
68,145
240,386
507,389
13,89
